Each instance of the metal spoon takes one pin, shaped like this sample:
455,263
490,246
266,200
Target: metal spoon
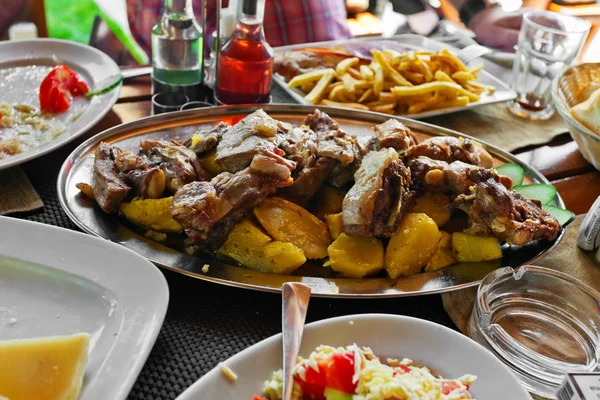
295,303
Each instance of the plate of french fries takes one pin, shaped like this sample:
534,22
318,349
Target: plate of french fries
388,79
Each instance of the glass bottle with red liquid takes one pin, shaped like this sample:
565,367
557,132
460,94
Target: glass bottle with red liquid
245,68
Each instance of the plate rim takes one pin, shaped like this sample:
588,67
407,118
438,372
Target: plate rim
150,319
511,94
62,140
373,318
222,111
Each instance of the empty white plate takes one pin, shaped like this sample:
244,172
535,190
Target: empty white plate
440,348
54,281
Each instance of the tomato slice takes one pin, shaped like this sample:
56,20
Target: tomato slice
449,386
58,87
340,370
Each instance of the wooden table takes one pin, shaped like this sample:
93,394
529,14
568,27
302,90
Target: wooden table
560,160
207,323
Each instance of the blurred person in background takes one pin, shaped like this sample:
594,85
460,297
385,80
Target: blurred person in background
492,25
10,12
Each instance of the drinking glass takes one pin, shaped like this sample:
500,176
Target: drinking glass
548,43
164,102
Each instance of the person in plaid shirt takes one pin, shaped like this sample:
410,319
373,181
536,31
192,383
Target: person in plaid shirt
286,21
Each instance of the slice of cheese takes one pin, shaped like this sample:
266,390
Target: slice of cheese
43,369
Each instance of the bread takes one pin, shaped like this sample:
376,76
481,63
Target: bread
588,112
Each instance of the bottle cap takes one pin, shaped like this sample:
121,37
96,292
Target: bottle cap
250,7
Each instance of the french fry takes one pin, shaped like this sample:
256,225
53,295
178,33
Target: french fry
430,87
416,108
355,74
392,55
333,85
311,76
477,68
378,84
384,108
367,73
425,70
344,65
489,88
389,71
368,93
458,102
319,89
462,76
443,77
355,106
415,78
459,64
336,92
307,86
387,96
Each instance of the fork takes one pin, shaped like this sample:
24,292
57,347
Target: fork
472,52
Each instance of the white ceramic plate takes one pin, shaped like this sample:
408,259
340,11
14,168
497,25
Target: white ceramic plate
440,348
57,282
491,74
91,64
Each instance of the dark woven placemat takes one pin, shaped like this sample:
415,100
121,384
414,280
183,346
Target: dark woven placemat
207,323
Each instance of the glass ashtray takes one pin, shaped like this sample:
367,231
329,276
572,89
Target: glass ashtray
541,323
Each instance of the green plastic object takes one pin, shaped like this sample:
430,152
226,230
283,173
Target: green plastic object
515,172
114,14
538,191
332,394
564,217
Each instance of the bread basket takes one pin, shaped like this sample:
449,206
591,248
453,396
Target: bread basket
566,90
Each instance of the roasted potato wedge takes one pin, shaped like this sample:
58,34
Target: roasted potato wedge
249,246
436,205
412,246
443,256
207,161
288,222
475,248
151,214
335,222
355,256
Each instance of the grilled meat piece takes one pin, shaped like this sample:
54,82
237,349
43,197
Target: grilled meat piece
109,188
449,149
396,135
240,143
455,178
320,122
203,141
376,202
291,63
494,210
208,210
308,180
147,181
180,164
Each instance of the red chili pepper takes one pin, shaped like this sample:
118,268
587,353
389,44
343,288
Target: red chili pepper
58,87
259,398
405,368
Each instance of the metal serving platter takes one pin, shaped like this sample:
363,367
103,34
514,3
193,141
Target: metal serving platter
180,125
488,76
